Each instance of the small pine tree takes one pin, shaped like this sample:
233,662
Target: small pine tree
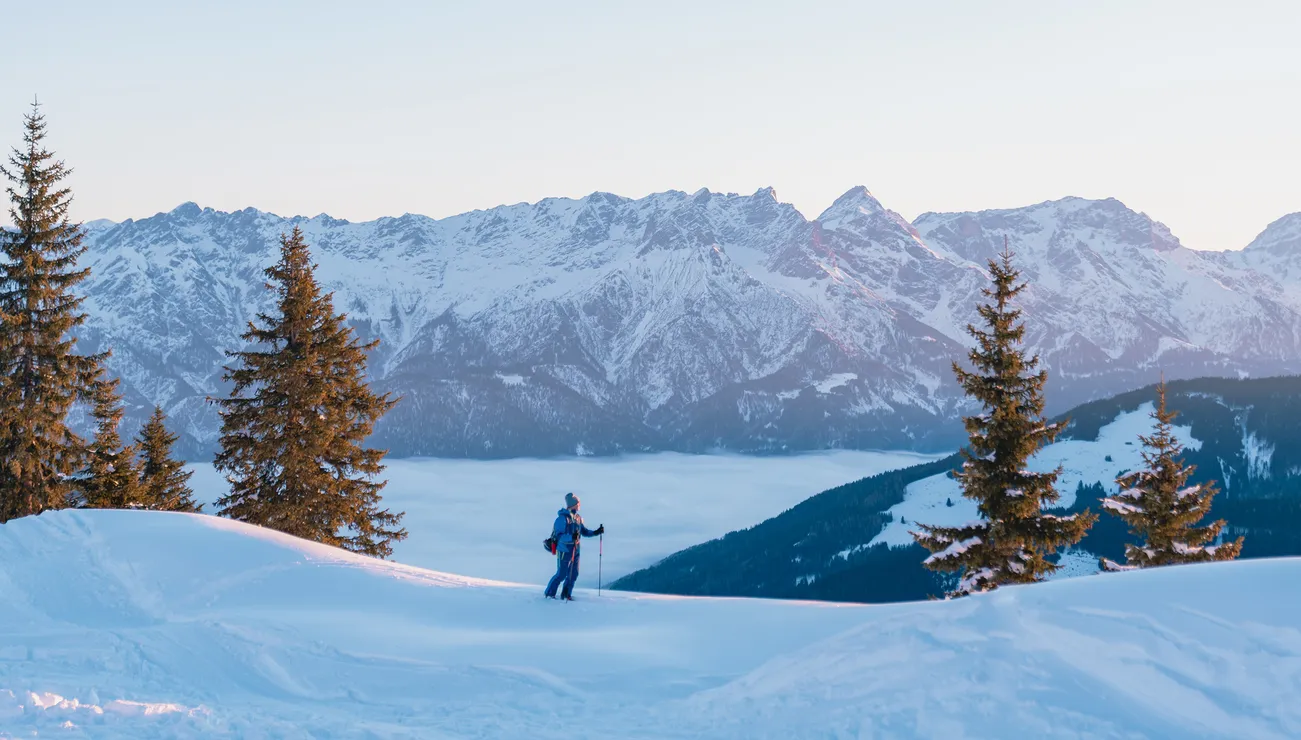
164,481
293,427
111,479
1014,538
41,376
1161,509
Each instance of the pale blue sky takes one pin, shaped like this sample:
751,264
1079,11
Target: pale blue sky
1190,111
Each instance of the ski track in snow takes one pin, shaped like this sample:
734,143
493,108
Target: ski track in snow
124,624
488,518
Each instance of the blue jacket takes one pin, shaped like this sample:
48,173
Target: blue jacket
568,530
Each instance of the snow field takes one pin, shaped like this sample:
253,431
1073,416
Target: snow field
224,629
487,518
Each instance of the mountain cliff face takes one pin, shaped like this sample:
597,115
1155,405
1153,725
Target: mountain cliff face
689,321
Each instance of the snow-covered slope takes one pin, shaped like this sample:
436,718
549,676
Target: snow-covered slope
138,625
687,321
852,542
1100,460
937,500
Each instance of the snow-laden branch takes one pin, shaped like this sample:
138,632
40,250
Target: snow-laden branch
1120,507
954,550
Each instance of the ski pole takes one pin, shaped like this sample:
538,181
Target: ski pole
600,558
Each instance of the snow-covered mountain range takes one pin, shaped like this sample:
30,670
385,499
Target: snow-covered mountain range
691,321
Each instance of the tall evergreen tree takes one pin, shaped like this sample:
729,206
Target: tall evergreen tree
1161,509
294,425
111,479
164,481
41,375
1014,537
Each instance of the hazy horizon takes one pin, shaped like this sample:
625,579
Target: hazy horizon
1185,111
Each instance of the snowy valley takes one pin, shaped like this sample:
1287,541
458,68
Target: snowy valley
487,518
691,322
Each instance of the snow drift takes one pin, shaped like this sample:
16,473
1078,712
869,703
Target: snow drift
133,624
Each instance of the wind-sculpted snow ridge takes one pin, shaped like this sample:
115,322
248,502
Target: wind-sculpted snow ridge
690,322
70,714
126,624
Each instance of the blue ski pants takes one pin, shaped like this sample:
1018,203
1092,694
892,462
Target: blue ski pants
567,571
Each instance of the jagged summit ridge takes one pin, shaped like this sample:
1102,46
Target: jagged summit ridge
687,321
1283,235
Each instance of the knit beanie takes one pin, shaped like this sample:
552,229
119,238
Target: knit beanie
570,501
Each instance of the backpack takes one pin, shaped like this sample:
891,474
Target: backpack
552,543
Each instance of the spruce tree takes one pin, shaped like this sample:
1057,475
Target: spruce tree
111,479
1161,509
1013,539
41,375
164,481
299,411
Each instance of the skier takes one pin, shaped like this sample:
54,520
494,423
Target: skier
567,531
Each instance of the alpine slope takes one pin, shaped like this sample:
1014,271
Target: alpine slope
121,624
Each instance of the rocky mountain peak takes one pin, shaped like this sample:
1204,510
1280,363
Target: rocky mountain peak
857,200
1282,236
189,210
858,212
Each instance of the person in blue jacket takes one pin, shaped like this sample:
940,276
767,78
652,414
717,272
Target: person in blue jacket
568,531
